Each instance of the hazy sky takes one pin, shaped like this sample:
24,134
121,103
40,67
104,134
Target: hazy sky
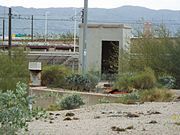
153,4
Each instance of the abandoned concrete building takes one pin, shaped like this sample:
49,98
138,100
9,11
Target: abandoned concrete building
103,41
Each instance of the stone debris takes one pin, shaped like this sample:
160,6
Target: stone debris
115,115
51,113
130,127
114,128
75,118
67,119
97,117
132,115
152,122
57,114
51,122
70,114
153,112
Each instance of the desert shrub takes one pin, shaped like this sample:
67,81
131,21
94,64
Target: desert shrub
14,109
124,82
152,51
94,79
71,102
54,76
140,80
151,95
13,69
129,98
167,81
158,95
145,79
81,82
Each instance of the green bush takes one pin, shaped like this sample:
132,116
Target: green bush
13,69
54,76
71,102
145,79
151,95
167,81
124,83
158,95
81,82
141,80
14,110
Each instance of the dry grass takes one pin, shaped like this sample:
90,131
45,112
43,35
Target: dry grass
151,95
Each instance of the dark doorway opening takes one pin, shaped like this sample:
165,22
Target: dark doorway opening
110,55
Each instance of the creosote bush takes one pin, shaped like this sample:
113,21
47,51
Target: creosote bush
72,101
142,80
150,95
54,76
156,95
124,82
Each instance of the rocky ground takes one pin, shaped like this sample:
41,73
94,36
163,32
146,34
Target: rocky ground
112,119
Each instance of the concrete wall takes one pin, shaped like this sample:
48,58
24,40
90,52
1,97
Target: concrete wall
96,33
43,100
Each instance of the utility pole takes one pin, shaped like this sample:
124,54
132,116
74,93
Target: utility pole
3,32
46,27
9,35
75,23
32,28
84,52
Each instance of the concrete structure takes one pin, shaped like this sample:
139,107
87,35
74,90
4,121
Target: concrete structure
35,73
100,39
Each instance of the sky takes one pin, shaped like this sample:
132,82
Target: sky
152,4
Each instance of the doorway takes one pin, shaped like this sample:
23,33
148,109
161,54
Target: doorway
109,59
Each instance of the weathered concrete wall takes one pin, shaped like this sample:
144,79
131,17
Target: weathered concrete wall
43,100
96,33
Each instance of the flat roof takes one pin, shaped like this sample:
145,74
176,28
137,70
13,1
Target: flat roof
106,25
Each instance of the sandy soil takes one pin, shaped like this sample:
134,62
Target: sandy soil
111,119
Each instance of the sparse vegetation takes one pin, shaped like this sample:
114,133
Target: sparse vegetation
81,82
156,95
13,69
145,79
141,80
131,98
54,76
150,95
71,102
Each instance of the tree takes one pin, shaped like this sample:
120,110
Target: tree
152,52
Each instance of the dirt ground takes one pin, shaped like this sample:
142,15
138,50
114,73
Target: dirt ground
112,119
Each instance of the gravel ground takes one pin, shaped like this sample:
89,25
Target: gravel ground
112,119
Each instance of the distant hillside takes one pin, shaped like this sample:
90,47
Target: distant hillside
60,19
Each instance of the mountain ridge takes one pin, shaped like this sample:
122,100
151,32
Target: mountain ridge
131,15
